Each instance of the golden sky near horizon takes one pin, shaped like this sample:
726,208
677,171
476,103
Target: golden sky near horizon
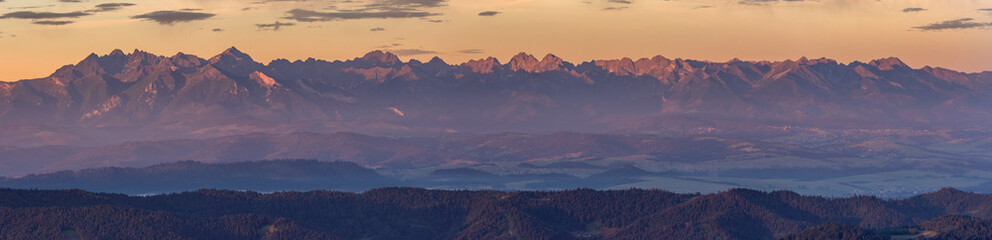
38,36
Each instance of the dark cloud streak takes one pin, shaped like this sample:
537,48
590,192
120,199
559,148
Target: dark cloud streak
107,7
407,52
764,2
173,17
472,51
915,9
274,26
378,9
52,23
43,15
303,15
489,13
963,23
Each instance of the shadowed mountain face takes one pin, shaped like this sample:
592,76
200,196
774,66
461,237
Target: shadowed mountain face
104,99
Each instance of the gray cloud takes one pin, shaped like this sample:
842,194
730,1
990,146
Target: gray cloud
408,4
489,13
377,29
985,9
106,7
614,8
217,30
405,52
70,1
914,9
389,46
303,15
764,2
173,17
377,9
471,51
621,1
963,23
30,7
274,26
52,23
702,7
43,15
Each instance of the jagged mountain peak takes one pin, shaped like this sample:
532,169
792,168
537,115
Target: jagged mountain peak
523,56
551,58
116,52
233,51
528,63
485,65
888,63
233,61
231,54
437,60
379,56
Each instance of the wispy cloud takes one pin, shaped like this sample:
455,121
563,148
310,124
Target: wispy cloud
52,22
764,2
913,9
43,15
407,52
390,45
377,29
274,26
614,8
379,9
407,4
107,7
472,51
303,15
489,13
173,17
30,7
963,23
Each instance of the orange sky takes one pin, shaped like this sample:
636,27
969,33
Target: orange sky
576,30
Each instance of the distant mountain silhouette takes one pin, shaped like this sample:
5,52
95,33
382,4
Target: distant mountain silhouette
264,176
144,96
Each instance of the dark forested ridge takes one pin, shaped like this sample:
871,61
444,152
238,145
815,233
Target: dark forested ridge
412,213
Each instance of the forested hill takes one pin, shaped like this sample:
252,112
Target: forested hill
411,213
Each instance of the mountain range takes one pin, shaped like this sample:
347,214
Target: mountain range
141,96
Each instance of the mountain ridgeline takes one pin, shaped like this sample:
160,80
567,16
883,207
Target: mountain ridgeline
104,98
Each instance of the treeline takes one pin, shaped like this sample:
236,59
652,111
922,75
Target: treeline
413,213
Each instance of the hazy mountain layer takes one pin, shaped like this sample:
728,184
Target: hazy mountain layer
264,176
835,163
